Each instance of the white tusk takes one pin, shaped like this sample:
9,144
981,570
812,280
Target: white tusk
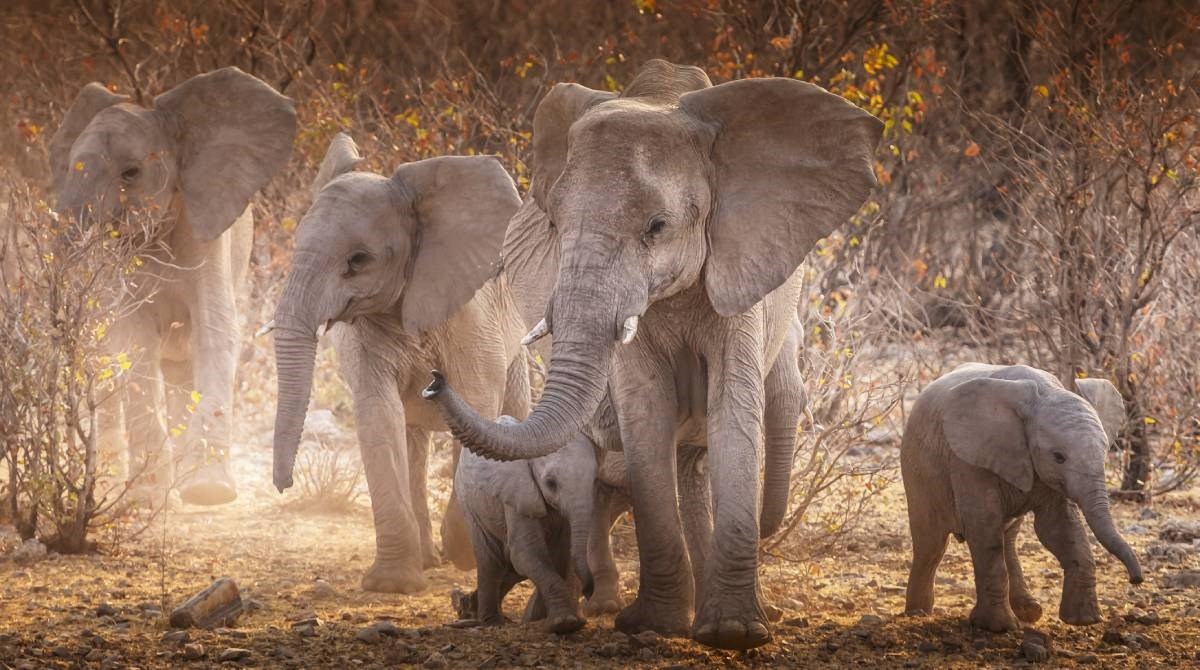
629,329
322,328
539,331
266,328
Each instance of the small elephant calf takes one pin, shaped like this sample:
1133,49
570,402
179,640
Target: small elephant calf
530,520
984,445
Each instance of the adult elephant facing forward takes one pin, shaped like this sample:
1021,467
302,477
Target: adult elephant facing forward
683,210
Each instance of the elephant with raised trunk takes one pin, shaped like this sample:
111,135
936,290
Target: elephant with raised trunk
984,446
403,271
181,171
682,211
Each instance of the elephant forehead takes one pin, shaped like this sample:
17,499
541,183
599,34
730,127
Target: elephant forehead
1068,414
119,132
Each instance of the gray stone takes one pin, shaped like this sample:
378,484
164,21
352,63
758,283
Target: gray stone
193,651
368,635
870,620
322,589
105,609
176,637
233,654
386,628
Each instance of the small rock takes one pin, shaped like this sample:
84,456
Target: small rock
193,651
368,635
233,654
1180,531
1135,529
870,620
387,628
435,661
30,551
232,632
1146,513
796,622
322,589
647,654
1114,637
93,656
1138,615
1034,652
105,609
1183,579
609,650
283,652
980,644
305,630
1087,659
61,652
927,646
646,638
176,637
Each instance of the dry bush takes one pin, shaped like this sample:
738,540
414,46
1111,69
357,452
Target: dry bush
66,286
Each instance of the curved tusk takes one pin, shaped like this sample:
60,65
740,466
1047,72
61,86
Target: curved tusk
266,328
629,329
539,331
322,328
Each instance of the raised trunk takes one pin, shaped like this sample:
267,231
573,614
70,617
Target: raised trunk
581,358
295,354
1099,519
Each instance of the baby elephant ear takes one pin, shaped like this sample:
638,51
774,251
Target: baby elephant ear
91,99
462,205
1108,403
984,425
792,162
341,157
514,483
233,132
551,123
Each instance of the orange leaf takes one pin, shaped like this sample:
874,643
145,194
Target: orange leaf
971,151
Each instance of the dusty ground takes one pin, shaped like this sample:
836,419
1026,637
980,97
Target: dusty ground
50,610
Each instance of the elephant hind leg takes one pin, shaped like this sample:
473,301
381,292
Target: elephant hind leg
456,541
418,487
1023,603
493,579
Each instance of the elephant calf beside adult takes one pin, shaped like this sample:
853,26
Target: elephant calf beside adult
186,167
682,212
403,270
983,446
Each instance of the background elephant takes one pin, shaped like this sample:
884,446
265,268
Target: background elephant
406,268
682,212
530,520
185,169
985,444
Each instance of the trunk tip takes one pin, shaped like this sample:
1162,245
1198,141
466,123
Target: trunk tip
435,387
1135,576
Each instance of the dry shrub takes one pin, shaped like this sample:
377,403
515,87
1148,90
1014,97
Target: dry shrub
65,286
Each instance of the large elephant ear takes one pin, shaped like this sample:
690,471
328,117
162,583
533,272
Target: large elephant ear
233,132
91,99
462,205
530,259
1107,401
792,162
551,122
341,157
984,424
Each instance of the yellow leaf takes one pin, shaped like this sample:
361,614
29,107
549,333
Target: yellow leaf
1149,420
195,397
79,166
1042,91
939,281
123,361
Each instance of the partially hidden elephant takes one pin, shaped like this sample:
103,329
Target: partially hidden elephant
680,212
403,272
184,171
530,519
983,446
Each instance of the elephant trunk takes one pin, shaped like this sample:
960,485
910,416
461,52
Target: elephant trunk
1096,511
777,480
295,357
581,357
580,532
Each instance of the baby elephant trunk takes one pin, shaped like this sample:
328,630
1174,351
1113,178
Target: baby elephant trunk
580,527
1096,510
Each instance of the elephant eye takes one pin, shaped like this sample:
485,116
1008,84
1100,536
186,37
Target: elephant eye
656,226
356,261
130,173
552,484
1060,457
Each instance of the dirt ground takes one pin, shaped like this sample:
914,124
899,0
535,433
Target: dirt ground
106,610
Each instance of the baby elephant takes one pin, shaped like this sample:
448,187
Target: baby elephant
984,445
530,520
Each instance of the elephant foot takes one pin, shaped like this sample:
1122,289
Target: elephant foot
563,624
668,620
602,602
1080,611
209,484
728,621
994,619
393,578
1026,608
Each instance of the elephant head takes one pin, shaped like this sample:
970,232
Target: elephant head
206,146
413,248
673,184
1020,430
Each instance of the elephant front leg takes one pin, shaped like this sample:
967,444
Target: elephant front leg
1022,601
530,555
983,528
645,401
1059,529
150,457
381,436
731,615
204,475
606,589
